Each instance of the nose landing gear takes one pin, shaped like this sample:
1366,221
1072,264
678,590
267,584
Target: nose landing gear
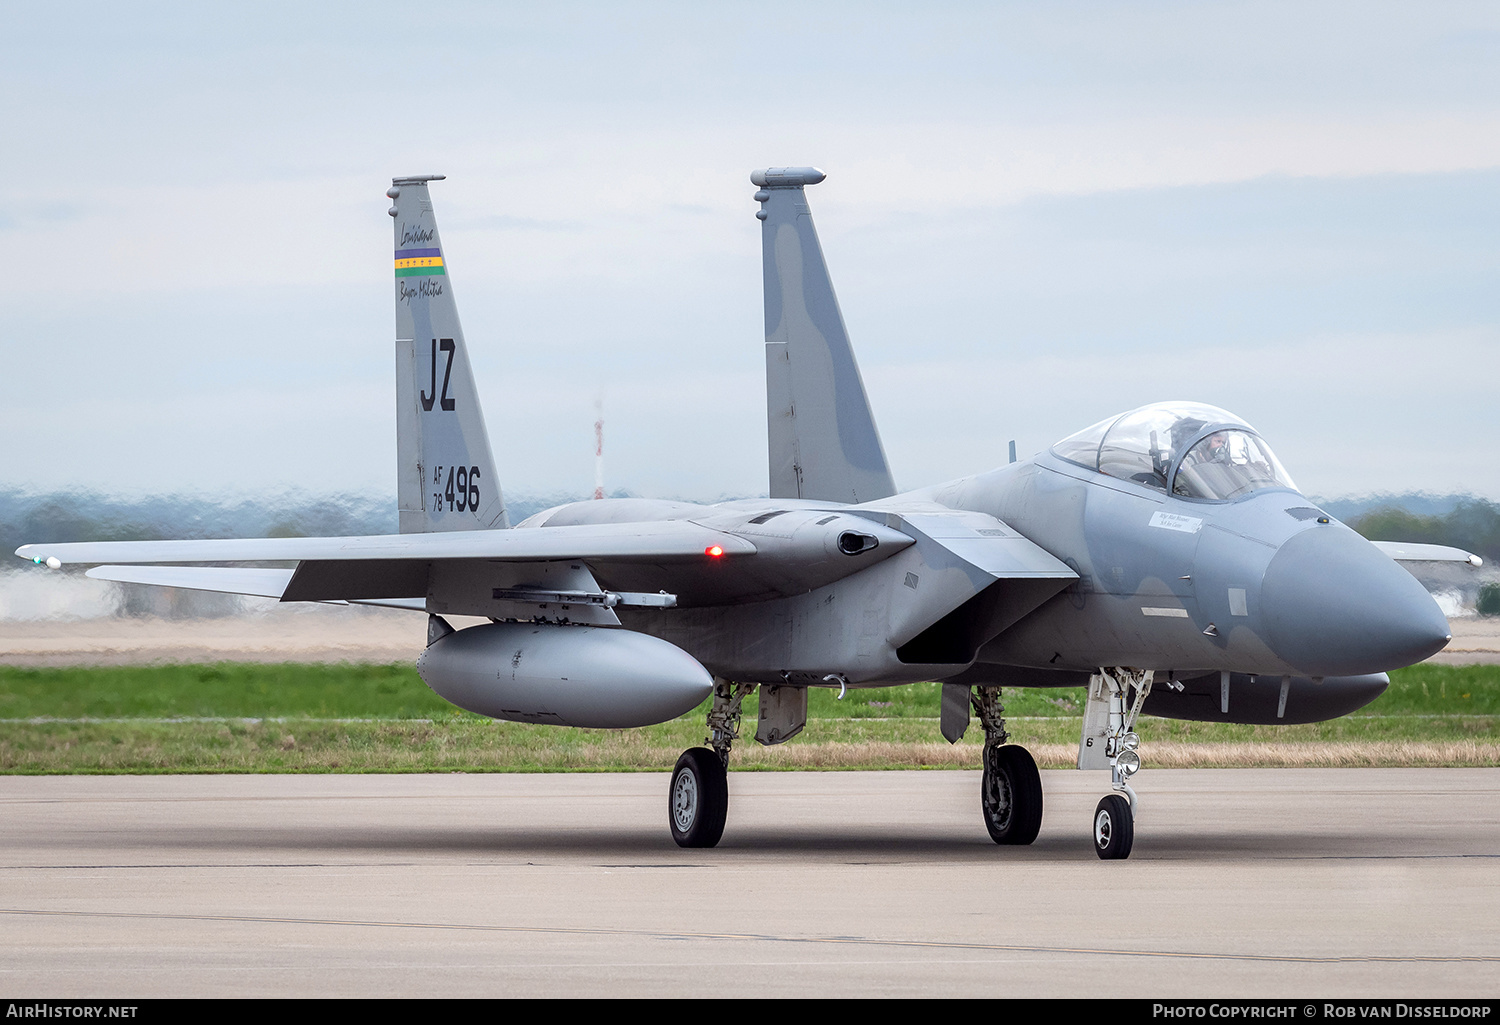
1109,742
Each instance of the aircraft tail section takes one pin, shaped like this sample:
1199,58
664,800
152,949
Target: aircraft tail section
445,475
823,440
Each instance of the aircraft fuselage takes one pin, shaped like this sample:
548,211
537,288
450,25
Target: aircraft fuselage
1267,584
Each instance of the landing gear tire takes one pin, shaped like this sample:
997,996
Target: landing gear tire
1010,793
698,800
1114,828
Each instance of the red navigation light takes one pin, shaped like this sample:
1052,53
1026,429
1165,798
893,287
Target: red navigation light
714,551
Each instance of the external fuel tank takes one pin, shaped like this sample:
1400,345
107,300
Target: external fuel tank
599,677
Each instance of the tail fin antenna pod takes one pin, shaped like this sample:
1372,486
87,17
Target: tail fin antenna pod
823,440
445,475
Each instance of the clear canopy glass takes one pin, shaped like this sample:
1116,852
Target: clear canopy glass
1146,445
1228,464
1083,447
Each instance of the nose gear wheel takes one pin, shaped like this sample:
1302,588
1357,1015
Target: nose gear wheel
1109,741
1114,828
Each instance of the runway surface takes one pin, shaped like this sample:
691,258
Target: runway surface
1246,882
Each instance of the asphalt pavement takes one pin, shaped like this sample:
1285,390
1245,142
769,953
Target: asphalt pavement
1244,882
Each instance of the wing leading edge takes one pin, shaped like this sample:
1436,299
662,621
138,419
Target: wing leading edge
667,540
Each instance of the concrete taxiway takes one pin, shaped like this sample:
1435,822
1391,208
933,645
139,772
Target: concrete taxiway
1249,882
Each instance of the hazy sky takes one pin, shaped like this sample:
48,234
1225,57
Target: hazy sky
1036,215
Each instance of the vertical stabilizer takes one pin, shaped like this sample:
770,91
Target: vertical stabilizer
445,475
823,440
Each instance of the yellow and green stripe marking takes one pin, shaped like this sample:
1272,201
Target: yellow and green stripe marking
419,263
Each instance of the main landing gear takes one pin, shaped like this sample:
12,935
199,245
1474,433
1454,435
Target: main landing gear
1109,742
1010,790
698,799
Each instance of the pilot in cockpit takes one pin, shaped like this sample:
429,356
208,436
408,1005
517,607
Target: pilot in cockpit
1212,449
1145,444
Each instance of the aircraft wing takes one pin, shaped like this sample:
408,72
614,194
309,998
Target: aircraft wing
662,540
1403,551
400,570
503,573
264,583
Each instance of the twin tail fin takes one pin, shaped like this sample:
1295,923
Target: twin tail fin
445,474
824,444
823,441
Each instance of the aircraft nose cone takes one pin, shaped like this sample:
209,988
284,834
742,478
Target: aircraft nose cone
1335,605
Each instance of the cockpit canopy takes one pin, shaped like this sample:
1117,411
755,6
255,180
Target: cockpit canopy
1196,451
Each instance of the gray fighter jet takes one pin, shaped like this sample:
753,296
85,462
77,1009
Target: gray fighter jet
1163,558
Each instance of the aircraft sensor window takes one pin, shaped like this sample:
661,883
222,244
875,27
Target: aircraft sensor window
1227,464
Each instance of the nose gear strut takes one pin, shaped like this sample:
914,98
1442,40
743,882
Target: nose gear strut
1109,742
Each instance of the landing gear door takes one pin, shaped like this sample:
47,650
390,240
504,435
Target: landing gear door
783,713
1092,743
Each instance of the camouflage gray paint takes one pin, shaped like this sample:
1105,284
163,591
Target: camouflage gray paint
445,475
823,440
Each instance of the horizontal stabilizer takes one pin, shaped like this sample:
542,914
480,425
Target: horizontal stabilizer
671,539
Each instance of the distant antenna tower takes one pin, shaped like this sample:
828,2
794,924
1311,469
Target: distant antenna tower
599,450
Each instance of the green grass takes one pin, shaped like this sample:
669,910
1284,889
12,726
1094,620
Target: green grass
245,717
223,689
1440,690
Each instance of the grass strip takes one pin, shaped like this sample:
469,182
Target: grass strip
473,744
361,718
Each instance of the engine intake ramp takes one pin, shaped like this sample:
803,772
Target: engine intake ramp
978,576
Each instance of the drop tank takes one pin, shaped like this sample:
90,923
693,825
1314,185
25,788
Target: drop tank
564,675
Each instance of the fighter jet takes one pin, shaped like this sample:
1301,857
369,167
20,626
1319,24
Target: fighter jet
1163,558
